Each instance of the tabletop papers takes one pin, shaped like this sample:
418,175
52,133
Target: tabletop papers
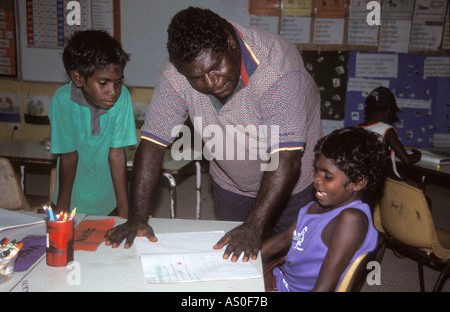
33,249
189,257
431,157
89,233
11,219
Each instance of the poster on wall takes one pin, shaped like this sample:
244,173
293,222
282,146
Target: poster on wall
397,9
36,109
47,23
8,64
430,10
336,8
139,110
51,22
263,7
329,71
9,108
296,8
296,29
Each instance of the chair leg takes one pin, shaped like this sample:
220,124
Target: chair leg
381,252
421,280
198,180
441,279
173,196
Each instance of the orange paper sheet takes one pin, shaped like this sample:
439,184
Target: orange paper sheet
89,233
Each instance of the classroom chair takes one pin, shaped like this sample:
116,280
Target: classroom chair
12,196
404,220
356,274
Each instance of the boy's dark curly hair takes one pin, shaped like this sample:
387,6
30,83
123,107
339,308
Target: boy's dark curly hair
358,153
87,51
193,30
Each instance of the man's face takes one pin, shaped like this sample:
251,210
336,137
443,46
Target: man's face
215,73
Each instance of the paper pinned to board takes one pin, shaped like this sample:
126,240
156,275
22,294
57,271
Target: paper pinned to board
189,257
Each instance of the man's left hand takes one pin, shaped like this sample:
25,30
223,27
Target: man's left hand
243,239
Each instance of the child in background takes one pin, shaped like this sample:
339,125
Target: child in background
92,121
336,228
381,109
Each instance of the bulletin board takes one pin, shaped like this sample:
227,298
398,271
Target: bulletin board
418,26
44,27
329,71
420,83
143,33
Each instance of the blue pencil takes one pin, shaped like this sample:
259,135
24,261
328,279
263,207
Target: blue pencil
46,211
50,214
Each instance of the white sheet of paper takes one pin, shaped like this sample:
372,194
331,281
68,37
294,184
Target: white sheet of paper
189,257
11,219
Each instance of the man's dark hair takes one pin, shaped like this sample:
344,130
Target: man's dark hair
87,51
194,30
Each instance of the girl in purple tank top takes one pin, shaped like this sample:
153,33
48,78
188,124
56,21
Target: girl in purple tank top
337,227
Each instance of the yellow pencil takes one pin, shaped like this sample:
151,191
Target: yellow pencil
72,214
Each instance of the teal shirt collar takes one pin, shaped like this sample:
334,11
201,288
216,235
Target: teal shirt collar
77,96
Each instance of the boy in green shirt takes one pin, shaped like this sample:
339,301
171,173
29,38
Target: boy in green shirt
92,121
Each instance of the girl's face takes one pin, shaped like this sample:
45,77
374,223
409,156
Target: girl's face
332,185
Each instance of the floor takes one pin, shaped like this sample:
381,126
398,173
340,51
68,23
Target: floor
396,274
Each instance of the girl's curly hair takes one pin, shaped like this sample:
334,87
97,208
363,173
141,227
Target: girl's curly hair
358,153
193,30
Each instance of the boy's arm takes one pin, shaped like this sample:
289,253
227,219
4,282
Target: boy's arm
67,170
118,163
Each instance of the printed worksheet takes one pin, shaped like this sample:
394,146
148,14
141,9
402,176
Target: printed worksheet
189,257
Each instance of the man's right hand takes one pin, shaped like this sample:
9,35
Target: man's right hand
128,231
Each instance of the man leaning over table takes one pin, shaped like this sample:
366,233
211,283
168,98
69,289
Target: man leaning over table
226,75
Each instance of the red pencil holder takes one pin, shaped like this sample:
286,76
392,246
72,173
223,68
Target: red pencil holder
59,242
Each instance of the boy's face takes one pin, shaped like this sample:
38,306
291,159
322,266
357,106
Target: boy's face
332,185
103,88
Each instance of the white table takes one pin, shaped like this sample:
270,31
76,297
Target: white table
425,172
18,234
119,269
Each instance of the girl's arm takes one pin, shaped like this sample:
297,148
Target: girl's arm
343,236
400,152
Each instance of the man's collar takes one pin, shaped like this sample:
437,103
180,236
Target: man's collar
249,62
